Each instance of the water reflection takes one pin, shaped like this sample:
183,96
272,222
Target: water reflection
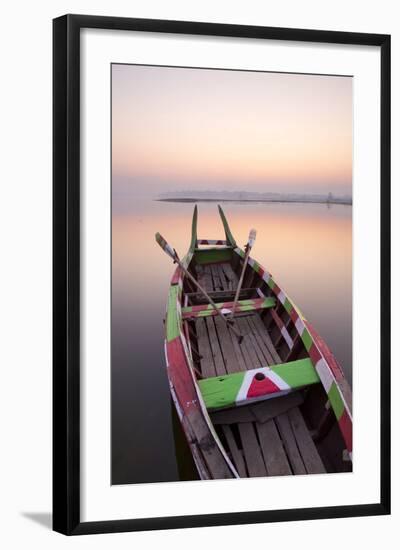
308,249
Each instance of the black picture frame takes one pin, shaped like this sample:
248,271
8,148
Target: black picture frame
66,273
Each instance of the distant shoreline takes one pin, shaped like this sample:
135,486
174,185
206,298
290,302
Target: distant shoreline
298,201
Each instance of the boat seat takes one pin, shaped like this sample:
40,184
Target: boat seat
244,387
206,310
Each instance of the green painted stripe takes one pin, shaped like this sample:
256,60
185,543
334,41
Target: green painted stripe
307,340
248,302
194,230
288,305
336,401
271,283
269,302
221,391
186,260
297,373
212,255
172,321
204,313
245,308
228,234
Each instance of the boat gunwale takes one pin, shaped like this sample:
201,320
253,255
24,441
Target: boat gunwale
312,340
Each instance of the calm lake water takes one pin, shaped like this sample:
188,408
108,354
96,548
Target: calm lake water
306,247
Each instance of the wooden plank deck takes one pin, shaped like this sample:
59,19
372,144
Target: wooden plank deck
214,343
237,454
269,438
252,452
206,360
275,458
260,412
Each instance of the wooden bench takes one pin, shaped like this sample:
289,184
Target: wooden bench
206,310
248,386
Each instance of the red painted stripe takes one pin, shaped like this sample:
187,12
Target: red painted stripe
261,271
315,355
276,289
294,315
262,387
176,276
179,375
346,427
326,352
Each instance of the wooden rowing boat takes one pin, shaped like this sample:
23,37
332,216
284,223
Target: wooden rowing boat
277,403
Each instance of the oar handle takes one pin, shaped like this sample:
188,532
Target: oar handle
248,247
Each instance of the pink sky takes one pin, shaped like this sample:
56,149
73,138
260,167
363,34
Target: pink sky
179,128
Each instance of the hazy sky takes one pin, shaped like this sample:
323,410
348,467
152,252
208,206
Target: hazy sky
177,128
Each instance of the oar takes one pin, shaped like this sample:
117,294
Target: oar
248,247
173,254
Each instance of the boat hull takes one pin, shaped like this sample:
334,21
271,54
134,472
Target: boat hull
213,457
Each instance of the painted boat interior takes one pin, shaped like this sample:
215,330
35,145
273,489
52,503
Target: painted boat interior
292,434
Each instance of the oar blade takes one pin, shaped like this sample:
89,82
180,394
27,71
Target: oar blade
252,238
165,246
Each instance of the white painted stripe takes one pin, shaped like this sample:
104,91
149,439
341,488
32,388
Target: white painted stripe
166,353
176,402
328,378
299,325
185,348
281,297
287,337
250,262
325,374
342,396
325,371
239,252
260,293
349,413
244,388
277,380
205,412
266,277
169,251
